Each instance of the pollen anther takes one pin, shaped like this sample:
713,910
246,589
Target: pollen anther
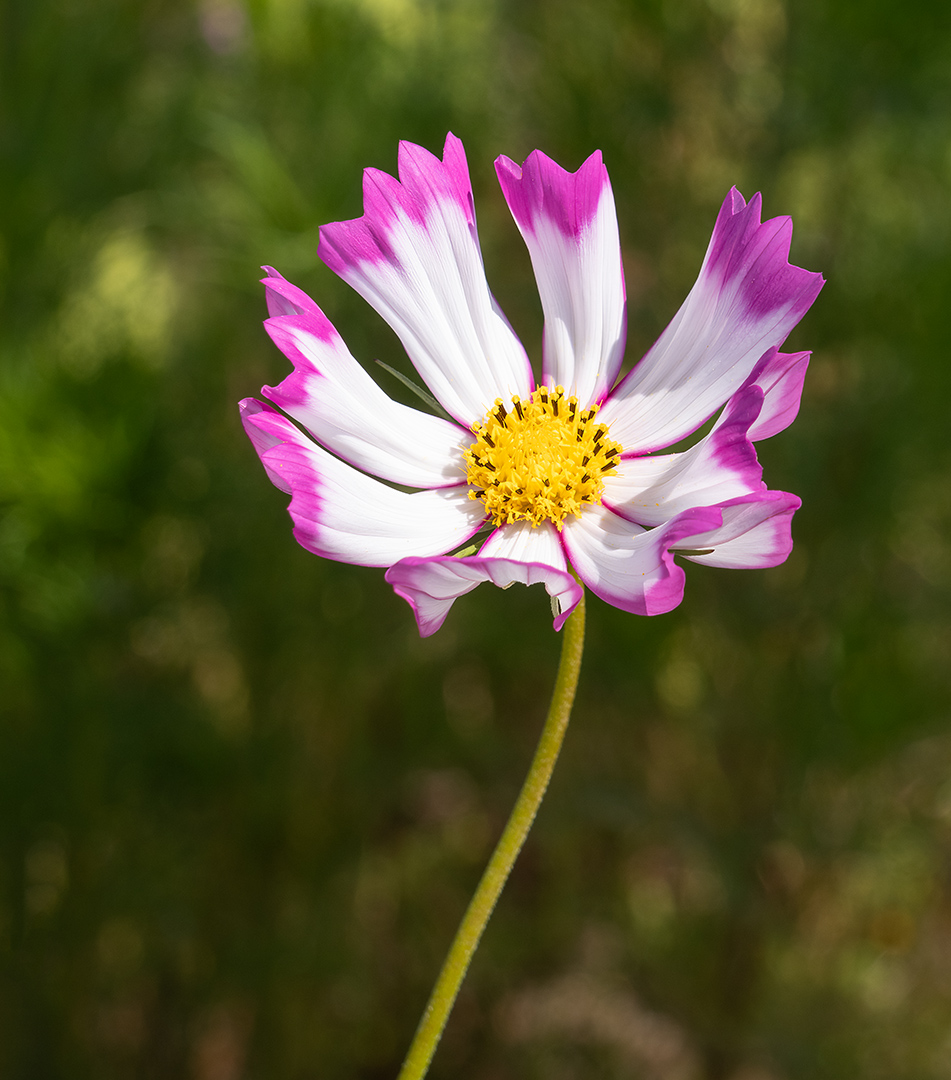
539,462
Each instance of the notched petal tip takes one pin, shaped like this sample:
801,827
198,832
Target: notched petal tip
424,177
756,253
265,427
283,298
541,190
255,416
737,202
504,165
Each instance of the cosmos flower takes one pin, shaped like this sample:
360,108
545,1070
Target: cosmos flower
565,474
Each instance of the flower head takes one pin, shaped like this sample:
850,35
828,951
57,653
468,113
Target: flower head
566,473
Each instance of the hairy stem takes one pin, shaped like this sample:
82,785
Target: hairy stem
503,858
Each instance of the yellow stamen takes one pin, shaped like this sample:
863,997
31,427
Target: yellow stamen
539,461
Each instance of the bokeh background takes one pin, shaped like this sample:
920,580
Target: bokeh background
242,805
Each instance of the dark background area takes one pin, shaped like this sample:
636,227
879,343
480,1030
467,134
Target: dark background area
242,804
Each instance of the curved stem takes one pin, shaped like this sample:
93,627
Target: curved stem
503,858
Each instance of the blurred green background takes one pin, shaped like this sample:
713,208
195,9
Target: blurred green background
242,804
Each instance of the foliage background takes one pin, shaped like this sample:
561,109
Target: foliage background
242,803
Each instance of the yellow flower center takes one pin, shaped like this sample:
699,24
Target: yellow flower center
540,460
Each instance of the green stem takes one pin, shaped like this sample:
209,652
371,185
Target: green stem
503,858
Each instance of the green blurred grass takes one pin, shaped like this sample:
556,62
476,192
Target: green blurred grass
243,804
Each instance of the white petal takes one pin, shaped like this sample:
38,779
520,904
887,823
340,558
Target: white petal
755,533
630,567
721,466
520,541
414,255
342,514
511,556
334,398
745,301
569,223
